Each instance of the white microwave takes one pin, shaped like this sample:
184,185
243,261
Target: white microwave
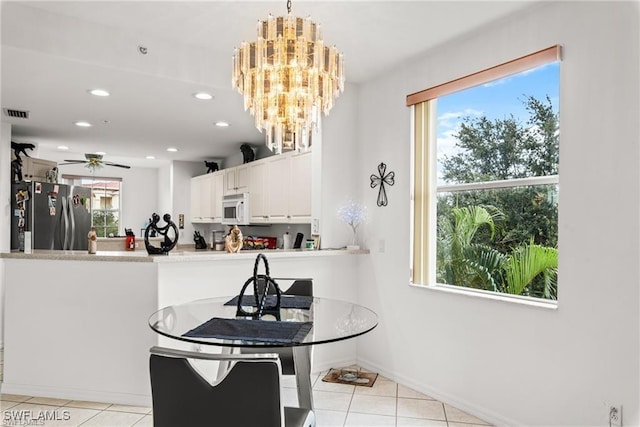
235,209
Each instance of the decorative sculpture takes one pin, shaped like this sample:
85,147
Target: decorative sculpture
248,155
168,242
211,166
382,179
19,147
260,297
16,169
233,242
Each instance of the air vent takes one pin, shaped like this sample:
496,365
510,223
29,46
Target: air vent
20,114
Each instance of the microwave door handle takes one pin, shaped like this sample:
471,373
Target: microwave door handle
238,210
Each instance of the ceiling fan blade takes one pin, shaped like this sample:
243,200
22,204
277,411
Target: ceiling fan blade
116,165
72,162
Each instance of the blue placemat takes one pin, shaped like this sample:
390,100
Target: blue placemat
252,330
286,301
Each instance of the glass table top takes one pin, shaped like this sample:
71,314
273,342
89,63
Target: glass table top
332,320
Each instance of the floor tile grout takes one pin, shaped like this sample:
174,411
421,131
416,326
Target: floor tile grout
315,382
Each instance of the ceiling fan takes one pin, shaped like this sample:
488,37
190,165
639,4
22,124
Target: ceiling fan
94,161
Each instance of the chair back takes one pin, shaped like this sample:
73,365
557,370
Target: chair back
248,395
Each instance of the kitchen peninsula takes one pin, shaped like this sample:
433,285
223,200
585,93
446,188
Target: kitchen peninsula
76,325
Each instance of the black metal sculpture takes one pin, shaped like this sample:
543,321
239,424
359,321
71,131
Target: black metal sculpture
248,155
211,166
168,243
260,297
16,169
382,179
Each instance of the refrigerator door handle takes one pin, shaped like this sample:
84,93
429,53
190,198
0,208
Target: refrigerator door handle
72,219
65,218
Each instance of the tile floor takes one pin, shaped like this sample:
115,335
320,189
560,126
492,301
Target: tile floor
337,405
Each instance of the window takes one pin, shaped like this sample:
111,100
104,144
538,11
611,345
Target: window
105,202
485,196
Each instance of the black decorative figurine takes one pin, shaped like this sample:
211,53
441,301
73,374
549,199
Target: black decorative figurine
167,244
260,297
211,166
247,153
382,179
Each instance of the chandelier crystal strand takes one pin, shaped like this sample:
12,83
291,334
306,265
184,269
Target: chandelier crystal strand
287,76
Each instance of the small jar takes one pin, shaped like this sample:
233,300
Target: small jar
92,238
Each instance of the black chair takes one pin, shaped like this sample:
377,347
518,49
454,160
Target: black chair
301,287
247,396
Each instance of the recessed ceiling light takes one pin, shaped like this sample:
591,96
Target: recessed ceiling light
203,95
172,149
100,153
83,124
63,147
222,124
98,92
150,157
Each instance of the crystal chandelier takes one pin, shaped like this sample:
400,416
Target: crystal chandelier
287,76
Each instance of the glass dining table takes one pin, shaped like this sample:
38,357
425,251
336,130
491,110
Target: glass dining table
299,324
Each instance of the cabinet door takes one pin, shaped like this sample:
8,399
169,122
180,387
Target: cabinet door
278,182
242,178
36,169
300,190
196,212
217,187
257,195
229,181
206,207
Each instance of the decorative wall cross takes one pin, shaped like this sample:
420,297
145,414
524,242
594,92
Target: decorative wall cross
381,179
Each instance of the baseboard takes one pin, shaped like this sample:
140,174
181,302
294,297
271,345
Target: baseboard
491,417
77,394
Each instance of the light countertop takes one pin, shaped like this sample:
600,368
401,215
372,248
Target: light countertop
140,255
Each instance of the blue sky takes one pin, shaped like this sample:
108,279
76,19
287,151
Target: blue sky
497,99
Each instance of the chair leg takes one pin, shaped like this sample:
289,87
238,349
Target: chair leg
223,366
302,361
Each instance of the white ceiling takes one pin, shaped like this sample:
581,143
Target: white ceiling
54,51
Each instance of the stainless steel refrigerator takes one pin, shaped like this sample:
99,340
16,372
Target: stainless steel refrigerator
57,215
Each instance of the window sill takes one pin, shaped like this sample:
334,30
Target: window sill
477,293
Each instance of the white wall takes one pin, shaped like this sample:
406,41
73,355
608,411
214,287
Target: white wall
139,192
340,177
5,210
182,174
515,364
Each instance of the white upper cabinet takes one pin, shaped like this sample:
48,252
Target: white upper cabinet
36,169
279,190
206,197
258,192
236,180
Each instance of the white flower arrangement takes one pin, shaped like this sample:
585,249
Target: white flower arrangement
353,214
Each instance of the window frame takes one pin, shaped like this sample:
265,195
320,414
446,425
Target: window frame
424,187
94,179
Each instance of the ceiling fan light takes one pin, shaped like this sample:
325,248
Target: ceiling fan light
83,124
172,149
101,153
222,124
62,147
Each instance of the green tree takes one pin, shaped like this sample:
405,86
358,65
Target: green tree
500,149
502,239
